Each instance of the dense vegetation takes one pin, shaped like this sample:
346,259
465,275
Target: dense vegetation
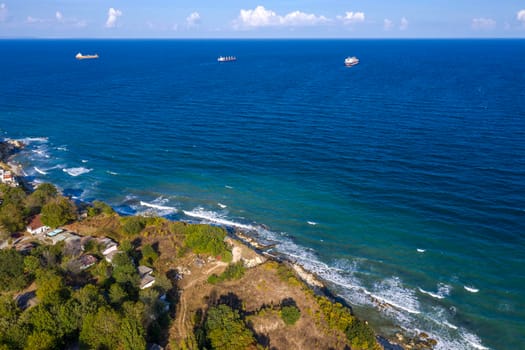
85,307
18,207
359,333
207,239
225,330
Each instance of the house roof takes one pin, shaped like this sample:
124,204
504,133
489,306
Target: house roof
36,222
144,270
147,281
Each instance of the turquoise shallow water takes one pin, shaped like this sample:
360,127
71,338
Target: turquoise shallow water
399,180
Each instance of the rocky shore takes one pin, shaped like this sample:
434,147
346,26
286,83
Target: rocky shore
253,253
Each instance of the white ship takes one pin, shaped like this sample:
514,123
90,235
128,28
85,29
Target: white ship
226,58
351,61
80,56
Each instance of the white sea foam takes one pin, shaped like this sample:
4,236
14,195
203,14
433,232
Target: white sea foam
84,161
473,340
40,171
62,148
392,292
41,151
223,206
433,295
443,291
111,172
419,250
313,223
76,171
471,289
159,207
156,206
29,140
215,218
450,325
228,187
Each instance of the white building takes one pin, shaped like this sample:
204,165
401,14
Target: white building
36,226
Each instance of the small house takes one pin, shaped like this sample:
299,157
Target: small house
107,245
146,279
36,226
87,261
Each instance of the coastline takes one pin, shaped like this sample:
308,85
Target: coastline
401,339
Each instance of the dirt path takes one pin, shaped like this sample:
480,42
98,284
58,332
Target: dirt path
181,324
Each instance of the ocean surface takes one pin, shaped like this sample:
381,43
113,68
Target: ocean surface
400,181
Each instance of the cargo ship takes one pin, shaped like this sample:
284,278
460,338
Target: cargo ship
80,56
226,58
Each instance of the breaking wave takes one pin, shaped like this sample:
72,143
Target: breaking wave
76,171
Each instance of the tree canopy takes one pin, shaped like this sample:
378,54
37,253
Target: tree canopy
58,211
226,330
12,276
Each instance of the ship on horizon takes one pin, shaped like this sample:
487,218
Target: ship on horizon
80,56
226,58
351,61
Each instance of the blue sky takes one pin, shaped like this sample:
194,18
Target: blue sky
262,19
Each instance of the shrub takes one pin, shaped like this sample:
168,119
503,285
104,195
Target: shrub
132,225
232,272
290,314
207,239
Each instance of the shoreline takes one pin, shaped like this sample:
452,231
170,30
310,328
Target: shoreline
402,339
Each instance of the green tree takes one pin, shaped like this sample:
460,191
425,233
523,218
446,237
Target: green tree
12,217
149,255
9,313
51,287
13,195
132,334
117,294
31,264
100,330
290,314
124,271
12,276
90,299
58,211
41,341
36,200
226,330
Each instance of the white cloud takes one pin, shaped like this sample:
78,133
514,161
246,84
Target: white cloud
483,23
193,19
113,14
298,18
352,17
3,12
261,17
59,16
404,24
387,24
521,16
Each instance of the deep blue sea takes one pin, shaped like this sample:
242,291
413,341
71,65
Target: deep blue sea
400,181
